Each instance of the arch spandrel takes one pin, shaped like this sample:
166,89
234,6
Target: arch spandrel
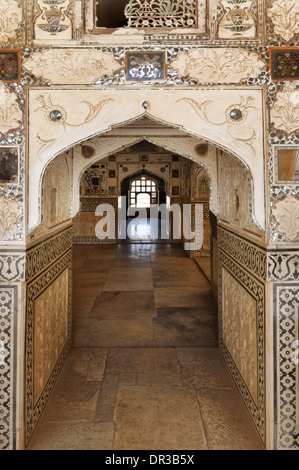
203,113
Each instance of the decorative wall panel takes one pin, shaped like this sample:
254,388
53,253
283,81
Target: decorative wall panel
53,19
239,19
10,112
235,187
10,21
285,112
231,262
239,329
10,65
217,65
57,192
284,63
8,322
44,334
51,310
283,15
10,214
140,66
286,307
72,66
9,165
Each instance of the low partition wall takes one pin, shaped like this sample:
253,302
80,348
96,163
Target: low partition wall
48,320
85,222
242,304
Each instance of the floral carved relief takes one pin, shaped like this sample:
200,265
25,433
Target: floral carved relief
218,65
56,115
234,115
285,113
10,20
72,66
10,113
9,216
286,214
284,15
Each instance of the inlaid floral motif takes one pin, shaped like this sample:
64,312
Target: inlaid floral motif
238,20
284,15
240,110
285,113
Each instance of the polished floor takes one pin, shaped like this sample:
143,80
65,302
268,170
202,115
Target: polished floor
144,372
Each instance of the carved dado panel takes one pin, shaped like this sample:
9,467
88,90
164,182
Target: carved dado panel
50,290
250,384
239,329
51,309
218,65
8,308
286,310
72,66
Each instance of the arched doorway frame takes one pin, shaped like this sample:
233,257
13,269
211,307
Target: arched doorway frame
51,157
113,111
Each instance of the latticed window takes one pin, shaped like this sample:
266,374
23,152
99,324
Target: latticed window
143,192
146,13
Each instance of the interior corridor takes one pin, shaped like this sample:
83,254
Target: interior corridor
144,372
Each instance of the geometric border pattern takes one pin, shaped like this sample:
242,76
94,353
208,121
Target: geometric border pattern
45,253
286,305
12,266
8,301
248,254
257,290
283,264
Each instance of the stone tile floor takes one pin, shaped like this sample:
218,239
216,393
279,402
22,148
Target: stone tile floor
144,372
